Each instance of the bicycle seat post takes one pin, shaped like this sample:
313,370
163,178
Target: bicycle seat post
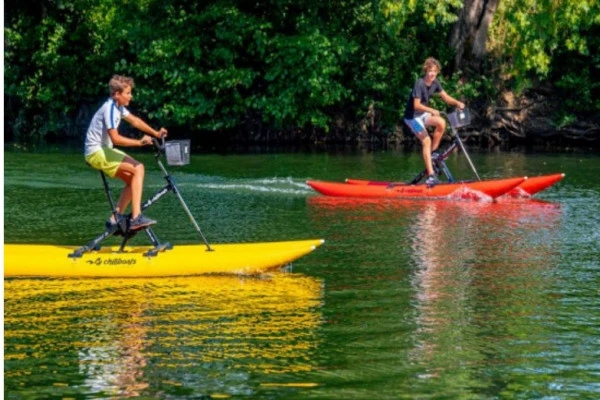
113,207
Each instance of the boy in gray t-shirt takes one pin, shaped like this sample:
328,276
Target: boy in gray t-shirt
100,154
418,115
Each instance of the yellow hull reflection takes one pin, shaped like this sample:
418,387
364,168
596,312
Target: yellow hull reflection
121,331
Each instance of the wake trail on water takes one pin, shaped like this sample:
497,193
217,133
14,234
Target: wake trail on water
273,185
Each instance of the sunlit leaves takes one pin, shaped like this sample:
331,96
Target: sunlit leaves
532,31
209,66
550,39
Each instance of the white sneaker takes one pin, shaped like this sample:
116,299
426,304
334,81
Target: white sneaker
432,180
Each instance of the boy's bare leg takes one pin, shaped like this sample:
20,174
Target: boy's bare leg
426,148
440,127
132,173
124,200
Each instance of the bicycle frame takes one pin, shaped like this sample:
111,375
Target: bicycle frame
121,227
440,161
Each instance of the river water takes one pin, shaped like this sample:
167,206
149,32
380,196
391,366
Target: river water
406,299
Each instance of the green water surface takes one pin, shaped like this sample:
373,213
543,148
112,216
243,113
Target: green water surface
405,300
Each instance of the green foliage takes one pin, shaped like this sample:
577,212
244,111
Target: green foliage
556,40
576,73
215,65
210,66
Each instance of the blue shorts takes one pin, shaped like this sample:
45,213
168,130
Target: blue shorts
417,125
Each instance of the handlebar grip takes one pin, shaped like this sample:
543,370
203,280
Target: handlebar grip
159,145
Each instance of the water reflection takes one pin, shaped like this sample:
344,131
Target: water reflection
481,283
113,361
129,337
451,289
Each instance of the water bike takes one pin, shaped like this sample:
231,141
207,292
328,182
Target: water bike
450,189
158,259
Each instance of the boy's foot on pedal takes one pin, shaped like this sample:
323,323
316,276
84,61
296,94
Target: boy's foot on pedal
110,223
140,222
432,180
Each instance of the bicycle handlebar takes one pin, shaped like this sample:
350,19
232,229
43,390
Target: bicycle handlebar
159,146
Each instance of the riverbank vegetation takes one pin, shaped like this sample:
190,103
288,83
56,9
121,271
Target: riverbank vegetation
282,70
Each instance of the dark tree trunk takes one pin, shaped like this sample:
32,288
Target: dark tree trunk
469,35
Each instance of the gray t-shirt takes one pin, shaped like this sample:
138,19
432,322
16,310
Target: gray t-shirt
107,117
422,92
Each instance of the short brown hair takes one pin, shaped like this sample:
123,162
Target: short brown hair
118,83
431,62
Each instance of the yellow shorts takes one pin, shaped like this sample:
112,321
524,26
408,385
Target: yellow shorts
106,160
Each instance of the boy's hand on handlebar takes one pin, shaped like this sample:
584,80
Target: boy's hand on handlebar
146,140
460,105
162,132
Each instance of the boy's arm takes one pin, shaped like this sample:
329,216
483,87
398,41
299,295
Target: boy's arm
423,108
138,123
124,141
451,100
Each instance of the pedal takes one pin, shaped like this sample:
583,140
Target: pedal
133,231
140,228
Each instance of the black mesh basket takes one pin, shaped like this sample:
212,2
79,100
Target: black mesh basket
459,118
177,152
